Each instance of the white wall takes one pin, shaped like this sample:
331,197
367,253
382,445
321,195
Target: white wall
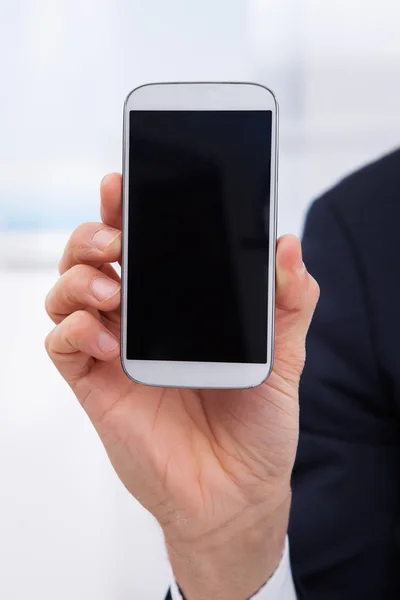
68,528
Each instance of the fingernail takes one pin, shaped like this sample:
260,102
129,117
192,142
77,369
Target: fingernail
301,268
106,178
103,238
103,288
107,342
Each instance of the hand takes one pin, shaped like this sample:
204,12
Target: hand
213,466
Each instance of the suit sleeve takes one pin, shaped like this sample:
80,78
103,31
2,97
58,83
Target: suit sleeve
346,499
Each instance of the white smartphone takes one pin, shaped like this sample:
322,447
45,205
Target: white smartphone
199,234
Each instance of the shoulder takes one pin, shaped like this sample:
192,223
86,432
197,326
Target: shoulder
358,198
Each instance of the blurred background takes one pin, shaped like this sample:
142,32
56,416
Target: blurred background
68,528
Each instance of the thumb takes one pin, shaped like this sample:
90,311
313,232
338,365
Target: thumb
297,295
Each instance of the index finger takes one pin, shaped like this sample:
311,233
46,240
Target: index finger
92,244
111,200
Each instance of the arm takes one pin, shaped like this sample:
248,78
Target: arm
346,478
212,466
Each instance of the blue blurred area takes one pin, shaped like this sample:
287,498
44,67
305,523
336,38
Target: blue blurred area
28,220
42,214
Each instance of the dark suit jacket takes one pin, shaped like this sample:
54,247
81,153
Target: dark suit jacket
345,521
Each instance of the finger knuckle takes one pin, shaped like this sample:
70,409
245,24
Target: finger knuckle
47,302
79,235
84,232
79,247
76,285
78,273
295,366
83,253
315,289
78,322
48,342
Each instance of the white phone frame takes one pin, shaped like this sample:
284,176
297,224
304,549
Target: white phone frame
200,96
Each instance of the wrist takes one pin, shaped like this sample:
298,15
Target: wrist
234,562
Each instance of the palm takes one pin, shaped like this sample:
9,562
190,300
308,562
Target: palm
201,447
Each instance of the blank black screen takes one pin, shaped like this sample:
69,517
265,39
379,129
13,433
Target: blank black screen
198,227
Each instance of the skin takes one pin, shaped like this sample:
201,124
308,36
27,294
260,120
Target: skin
212,466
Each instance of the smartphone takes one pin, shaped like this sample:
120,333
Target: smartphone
199,234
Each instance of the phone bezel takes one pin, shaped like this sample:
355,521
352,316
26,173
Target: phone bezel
200,96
